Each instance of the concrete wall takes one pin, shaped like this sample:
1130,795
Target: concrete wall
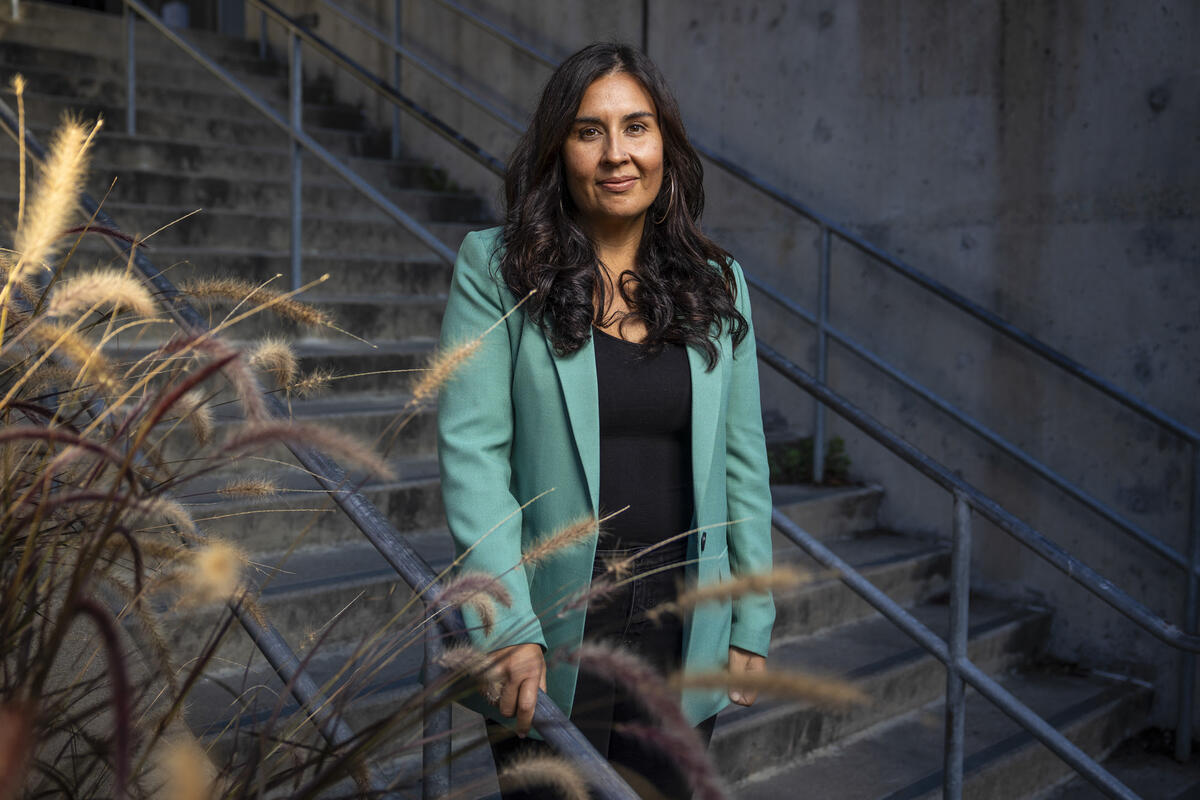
1039,158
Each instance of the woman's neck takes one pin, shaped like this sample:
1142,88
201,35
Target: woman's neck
617,243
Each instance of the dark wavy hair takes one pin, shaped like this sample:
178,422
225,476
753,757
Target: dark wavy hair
677,292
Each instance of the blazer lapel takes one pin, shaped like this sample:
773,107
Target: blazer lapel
706,398
577,377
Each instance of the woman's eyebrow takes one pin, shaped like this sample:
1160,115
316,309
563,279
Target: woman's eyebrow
626,118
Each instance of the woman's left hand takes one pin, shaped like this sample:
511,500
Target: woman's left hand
741,661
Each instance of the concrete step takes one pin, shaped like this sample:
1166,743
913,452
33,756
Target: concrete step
192,115
828,513
385,423
301,514
115,153
358,232
51,71
1146,764
379,684
908,570
103,35
164,188
379,319
385,369
901,760
874,655
328,594
352,274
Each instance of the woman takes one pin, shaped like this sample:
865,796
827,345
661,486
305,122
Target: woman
626,379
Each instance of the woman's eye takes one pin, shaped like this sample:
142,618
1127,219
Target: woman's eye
588,133
637,127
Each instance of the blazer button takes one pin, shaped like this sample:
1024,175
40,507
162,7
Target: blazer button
703,539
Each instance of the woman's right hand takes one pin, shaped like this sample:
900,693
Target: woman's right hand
519,670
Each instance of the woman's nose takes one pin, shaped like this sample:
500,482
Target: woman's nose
614,151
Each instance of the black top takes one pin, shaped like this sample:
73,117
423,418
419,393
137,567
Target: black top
645,441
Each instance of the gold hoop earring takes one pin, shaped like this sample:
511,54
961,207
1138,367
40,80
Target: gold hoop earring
670,203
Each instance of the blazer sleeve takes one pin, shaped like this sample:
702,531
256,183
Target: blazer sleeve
475,432
747,482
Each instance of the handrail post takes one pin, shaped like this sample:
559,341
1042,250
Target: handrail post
296,109
130,73
960,599
435,717
396,63
1187,660
818,458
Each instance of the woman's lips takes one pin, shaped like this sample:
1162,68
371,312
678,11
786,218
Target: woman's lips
618,184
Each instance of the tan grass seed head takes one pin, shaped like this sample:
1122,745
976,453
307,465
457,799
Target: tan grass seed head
98,289
54,197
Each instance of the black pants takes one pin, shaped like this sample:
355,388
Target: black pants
602,704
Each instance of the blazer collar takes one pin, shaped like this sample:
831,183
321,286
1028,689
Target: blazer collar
577,379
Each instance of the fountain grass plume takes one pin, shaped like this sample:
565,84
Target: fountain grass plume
214,574
478,591
815,689
99,288
239,291
468,584
644,683
534,772
193,406
250,487
446,362
672,733
742,585
335,443
465,659
91,366
313,383
570,535
275,356
54,198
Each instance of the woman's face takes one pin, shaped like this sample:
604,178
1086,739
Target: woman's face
614,153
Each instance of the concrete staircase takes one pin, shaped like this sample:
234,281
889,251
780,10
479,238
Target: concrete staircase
200,147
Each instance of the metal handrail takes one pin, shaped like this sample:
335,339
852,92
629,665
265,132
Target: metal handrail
442,78
409,565
1148,540
381,87
495,30
1008,522
960,669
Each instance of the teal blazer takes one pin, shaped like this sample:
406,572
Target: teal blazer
516,420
